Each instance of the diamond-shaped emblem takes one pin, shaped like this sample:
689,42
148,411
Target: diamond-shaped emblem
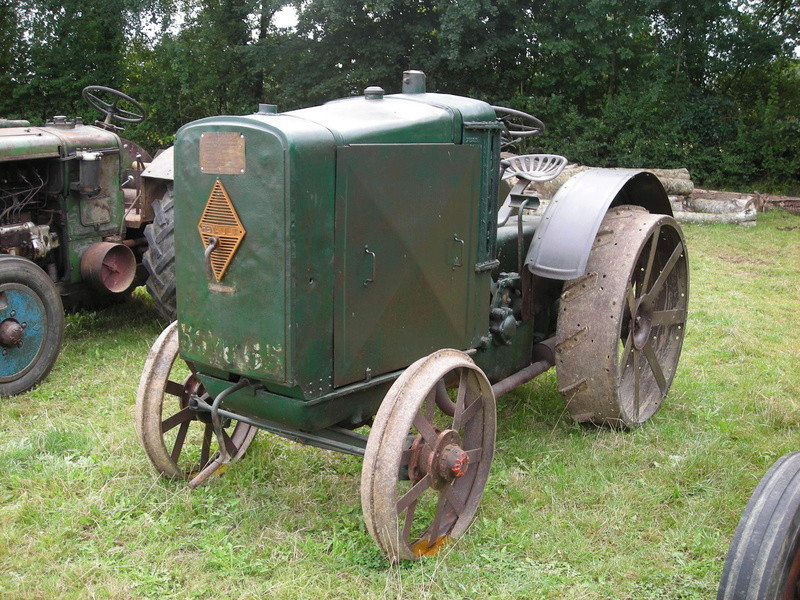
220,222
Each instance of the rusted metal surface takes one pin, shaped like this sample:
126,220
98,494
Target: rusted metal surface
621,325
543,359
108,267
446,457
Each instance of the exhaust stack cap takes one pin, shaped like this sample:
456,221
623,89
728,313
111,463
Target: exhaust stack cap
413,82
374,92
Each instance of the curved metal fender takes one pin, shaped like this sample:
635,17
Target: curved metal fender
162,166
562,242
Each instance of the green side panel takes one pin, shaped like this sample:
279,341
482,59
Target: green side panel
240,322
406,227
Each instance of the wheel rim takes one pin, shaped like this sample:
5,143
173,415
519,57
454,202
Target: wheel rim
428,456
23,329
653,323
178,439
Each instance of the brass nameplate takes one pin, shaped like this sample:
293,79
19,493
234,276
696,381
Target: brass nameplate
222,153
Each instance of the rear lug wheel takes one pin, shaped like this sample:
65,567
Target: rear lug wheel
621,326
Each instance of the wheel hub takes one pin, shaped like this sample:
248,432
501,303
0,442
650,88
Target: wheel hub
193,388
444,462
11,333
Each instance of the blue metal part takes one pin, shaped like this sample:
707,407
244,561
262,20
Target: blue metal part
562,242
20,304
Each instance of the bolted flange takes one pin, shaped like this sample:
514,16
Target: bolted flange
11,333
443,463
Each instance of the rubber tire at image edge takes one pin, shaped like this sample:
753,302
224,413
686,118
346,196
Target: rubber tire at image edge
159,258
767,539
23,272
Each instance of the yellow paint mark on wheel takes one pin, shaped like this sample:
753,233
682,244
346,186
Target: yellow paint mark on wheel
422,548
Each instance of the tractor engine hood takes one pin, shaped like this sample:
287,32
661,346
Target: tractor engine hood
58,140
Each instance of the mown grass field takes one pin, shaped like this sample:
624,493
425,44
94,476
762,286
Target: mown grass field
569,512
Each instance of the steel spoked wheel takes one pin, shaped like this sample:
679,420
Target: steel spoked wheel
763,562
621,326
31,325
428,456
178,439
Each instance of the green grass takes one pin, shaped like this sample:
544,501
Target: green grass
569,512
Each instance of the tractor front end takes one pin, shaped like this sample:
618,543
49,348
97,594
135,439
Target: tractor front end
307,240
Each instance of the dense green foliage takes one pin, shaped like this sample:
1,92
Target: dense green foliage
712,85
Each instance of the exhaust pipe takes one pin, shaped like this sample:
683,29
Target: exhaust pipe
108,267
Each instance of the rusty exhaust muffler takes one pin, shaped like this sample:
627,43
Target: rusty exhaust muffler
108,267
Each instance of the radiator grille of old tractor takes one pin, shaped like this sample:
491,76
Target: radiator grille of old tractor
220,222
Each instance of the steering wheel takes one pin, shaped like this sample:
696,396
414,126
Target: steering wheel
110,109
516,125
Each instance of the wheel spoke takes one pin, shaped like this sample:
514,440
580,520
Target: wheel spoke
651,258
179,439
127,113
626,353
173,388
408,521
630,297
180,417
468,413
205,451
412,495
436,525
454,499
229,445
655,367
461,398
425,428
666,271
668,317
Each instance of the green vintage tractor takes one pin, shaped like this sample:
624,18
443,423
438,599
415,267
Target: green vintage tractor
345,265
77,207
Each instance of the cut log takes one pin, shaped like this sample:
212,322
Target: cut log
745,217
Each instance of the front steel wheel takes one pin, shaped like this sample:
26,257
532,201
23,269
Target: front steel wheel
763,562
621,326
179,440
428,456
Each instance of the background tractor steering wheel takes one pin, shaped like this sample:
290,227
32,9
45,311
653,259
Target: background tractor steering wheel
135,113
516,125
